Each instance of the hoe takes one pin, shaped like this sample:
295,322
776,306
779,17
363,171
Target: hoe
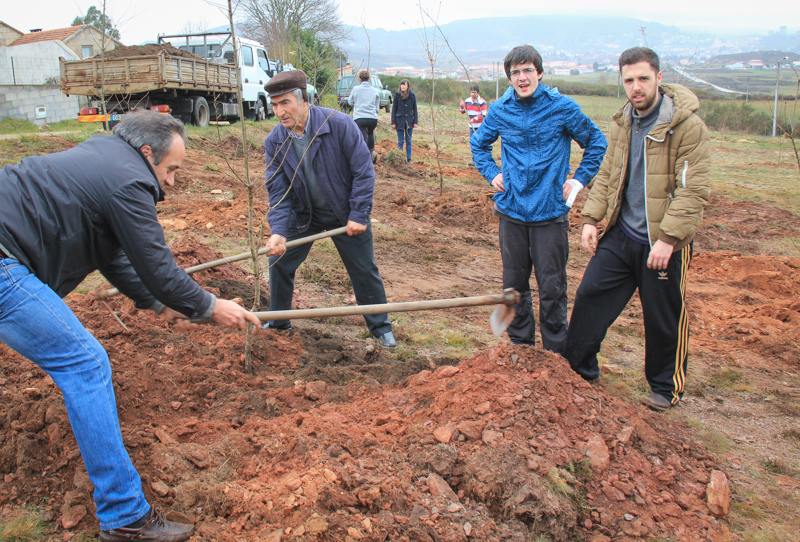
499,320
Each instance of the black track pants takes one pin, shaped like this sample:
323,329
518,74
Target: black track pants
617,269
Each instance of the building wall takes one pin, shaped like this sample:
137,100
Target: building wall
33,63
23,101
89,36
8,35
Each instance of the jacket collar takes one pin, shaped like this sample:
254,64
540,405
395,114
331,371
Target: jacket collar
161,193
317,123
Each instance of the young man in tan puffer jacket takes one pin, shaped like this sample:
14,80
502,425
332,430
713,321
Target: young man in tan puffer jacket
651,188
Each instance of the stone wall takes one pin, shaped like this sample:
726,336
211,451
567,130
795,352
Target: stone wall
38,104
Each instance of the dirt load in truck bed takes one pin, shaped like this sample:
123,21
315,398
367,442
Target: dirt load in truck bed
149,49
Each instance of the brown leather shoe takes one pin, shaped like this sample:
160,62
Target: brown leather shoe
657,402
157,529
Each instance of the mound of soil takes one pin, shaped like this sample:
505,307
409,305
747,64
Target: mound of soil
332,441
149,49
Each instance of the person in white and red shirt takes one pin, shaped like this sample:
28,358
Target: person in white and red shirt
475,107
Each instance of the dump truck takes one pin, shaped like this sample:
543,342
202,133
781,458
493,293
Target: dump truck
190,76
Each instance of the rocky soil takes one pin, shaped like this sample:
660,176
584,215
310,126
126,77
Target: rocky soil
334,439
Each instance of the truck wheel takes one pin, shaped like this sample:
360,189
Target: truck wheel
388,107
200,112
261,112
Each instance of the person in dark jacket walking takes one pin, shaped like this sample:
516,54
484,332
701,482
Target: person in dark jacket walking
404,116
319,177
366,101
62,216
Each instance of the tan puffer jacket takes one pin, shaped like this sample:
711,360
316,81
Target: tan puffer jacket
677,158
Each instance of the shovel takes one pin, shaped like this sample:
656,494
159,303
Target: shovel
245,255
499,321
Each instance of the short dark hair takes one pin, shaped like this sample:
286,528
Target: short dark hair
363,75
157,130
476,88
523,54
634,55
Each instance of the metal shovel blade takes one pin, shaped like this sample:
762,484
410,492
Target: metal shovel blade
501,318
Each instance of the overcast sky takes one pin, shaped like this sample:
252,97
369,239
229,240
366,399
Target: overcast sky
143,20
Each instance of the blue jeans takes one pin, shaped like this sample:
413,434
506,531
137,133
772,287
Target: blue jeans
405,134
35,322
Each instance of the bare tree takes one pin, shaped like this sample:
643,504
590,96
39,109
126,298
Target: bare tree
194,26
434,44
277,22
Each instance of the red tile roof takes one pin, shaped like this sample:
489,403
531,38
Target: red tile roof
48,35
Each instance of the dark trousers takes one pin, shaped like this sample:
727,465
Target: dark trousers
543,249
617,269
358,257
367,127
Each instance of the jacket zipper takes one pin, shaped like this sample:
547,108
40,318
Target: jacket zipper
646,214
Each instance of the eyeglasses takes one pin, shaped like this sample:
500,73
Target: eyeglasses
528,71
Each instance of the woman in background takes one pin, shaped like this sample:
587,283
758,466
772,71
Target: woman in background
365,101
404,116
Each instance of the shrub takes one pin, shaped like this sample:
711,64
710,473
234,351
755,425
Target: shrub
738,117
395,157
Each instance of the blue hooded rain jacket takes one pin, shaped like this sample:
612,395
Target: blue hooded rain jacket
536,133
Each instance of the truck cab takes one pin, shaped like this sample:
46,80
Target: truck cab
254,65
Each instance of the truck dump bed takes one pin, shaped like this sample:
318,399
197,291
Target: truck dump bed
137,74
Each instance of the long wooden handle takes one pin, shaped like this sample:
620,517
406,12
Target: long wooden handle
508,297
245,255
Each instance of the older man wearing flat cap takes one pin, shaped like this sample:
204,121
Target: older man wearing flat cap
319,177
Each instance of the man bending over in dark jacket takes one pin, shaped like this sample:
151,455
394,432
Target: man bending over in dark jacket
319,177
62,216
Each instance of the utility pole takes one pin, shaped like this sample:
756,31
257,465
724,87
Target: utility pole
497,82
775,110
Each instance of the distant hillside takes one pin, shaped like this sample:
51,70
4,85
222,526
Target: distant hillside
482,41
769,58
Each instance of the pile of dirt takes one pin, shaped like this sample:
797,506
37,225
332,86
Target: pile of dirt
149,49
330,440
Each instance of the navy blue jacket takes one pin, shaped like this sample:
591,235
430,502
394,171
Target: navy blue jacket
340,159
537,135
404,112
91,207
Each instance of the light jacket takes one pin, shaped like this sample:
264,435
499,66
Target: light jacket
365,100
91,207
340,159
537,134
677,164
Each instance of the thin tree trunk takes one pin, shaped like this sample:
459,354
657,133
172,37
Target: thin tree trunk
252,239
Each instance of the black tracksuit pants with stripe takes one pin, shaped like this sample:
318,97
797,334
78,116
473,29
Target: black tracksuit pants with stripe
617,269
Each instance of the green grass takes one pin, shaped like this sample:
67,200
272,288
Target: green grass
726,378
16,126
25,529
716,442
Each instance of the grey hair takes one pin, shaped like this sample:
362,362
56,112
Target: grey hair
156,130
300,94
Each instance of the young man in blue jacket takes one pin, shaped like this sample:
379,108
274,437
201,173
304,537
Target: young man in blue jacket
63,216
319,177
537,126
